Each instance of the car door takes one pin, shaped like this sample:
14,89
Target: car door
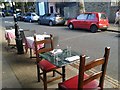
45,18
42,19
48,18
89,21
28,17
80,22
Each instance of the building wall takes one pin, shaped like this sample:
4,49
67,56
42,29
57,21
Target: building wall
113,10
68,9
72,9
70,12
102,7
52,4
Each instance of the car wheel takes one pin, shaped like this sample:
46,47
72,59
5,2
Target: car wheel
30,20
24,20
39,22
50,23
71,26
93,28
18,19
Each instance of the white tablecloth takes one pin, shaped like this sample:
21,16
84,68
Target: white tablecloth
10,34
30,41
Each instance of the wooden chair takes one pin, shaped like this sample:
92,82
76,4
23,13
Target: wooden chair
28,33
83,81
43,64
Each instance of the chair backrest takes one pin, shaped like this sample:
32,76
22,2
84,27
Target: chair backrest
100,74
44,49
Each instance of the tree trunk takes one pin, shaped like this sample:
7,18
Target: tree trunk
82,6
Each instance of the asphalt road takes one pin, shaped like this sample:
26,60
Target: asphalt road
83,41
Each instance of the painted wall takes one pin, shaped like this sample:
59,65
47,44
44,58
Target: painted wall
41,8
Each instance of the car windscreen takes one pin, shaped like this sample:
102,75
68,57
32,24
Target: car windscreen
28,14
57,15
46,15
33,14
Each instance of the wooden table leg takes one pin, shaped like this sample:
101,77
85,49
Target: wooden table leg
63,73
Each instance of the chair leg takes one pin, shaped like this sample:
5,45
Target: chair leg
45,80
30,53
38,73
53,73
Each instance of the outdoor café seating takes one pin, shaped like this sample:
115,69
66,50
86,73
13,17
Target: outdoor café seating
28,33
83,81
43,64
10,35
29,40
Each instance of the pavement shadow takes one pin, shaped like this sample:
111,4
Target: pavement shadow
118,36
82,30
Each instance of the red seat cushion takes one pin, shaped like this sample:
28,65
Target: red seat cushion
72,84
46,65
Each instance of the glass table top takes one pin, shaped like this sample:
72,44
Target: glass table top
60,59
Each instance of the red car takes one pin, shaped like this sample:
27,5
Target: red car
89,20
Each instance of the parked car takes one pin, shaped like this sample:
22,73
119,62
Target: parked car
89,20
51,19
31,17
20,16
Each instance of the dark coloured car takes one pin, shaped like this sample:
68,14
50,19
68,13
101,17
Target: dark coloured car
90,20
51,19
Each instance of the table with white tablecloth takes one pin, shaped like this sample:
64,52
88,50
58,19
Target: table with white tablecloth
29,42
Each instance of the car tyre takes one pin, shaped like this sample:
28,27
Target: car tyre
71,26
39,22
24,20
30,20
94,28
50,23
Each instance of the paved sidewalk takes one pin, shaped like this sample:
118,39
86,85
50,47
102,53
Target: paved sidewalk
19,71
114,28
9,79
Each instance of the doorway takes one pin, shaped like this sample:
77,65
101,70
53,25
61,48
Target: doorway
51,9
